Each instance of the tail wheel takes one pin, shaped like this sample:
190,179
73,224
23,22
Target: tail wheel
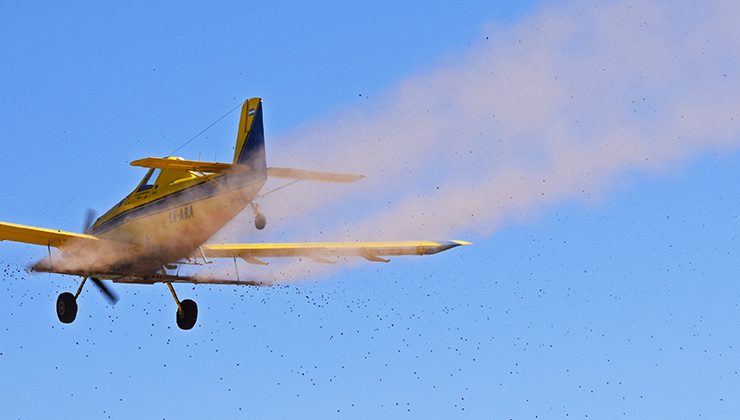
187,314
260,221
66,308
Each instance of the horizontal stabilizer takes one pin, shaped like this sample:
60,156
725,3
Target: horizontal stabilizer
311,175
188,165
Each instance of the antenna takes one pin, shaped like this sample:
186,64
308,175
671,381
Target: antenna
205,129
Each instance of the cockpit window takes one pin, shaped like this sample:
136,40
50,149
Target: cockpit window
149,180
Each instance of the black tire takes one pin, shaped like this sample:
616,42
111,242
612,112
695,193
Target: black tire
260,221
66,308
187,316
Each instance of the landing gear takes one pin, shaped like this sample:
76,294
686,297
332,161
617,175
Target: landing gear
187,311
67,305
66,308
260,221
187,314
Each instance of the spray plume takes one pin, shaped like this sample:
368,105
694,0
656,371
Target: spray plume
555,107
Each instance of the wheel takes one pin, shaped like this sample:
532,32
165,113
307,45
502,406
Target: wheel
66,307
187,316
260,221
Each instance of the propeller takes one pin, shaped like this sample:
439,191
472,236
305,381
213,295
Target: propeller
89,220
108,293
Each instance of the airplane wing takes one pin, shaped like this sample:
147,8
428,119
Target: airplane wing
151,278
187,165
40,236
317,251
372,251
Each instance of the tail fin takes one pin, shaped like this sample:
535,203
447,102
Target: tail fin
250,139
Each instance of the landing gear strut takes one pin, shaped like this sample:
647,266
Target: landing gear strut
260,221
187,311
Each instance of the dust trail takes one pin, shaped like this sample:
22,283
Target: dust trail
556,107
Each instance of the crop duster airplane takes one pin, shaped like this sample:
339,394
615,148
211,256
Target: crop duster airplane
167,220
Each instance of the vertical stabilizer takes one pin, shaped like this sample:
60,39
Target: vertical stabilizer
250,139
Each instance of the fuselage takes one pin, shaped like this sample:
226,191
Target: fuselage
169,217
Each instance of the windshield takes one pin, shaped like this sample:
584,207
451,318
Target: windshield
149,179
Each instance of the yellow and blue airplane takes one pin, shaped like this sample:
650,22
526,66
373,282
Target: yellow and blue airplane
169,217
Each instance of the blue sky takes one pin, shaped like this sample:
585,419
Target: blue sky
616,304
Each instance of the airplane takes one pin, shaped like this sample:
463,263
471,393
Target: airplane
167,220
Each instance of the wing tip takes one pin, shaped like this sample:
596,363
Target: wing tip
138,162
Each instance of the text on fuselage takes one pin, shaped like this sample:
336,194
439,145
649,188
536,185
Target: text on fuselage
183,213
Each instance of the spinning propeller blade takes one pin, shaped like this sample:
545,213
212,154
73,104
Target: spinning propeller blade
89,220
109,294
